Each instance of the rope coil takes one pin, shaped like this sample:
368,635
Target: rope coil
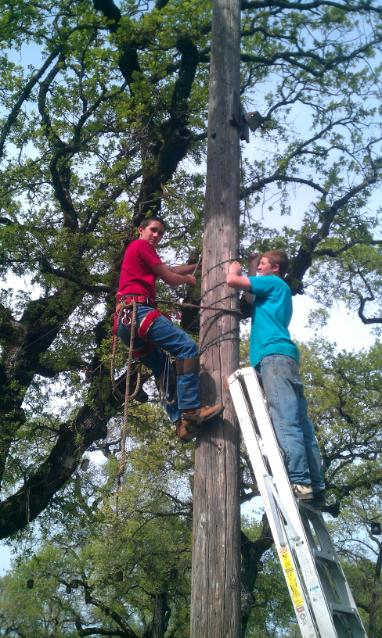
131,361
127,395
125,425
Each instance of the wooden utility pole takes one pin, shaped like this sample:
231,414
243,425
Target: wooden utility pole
215,607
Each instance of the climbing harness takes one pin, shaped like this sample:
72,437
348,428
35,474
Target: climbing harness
126,312
129,318
148,321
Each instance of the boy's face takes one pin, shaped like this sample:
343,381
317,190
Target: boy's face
266,268
153,232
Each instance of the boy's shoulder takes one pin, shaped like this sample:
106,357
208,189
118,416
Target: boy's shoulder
141,246
268,282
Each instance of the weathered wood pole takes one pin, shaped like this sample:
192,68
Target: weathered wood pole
215,606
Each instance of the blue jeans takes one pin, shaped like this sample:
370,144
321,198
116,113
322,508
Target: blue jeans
288,409
166,336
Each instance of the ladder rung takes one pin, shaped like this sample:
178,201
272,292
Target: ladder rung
325,556
338,608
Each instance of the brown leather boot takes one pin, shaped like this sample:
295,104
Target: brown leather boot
189,424
185,433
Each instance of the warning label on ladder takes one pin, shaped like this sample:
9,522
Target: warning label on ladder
291,577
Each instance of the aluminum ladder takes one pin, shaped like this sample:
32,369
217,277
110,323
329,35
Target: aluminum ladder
320,595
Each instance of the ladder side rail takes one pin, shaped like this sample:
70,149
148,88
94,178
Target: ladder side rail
270,442
329,555
325,560
336,586
305,553
291,573
300,549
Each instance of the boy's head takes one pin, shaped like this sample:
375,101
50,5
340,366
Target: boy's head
273,262
153,218
152,229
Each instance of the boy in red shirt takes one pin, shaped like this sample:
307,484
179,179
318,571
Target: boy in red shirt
141,267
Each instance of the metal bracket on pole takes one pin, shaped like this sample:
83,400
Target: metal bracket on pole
238,118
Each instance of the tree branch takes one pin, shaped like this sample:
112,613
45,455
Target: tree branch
59,167
69,276
128,60
306,252
73,440
363,300
347,7
175,137
24,95
330,252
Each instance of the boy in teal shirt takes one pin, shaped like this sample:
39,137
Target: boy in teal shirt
276,358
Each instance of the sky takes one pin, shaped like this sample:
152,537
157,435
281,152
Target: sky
343,328
5,559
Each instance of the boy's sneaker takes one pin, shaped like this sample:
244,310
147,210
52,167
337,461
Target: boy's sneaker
319,499
189,424
303,492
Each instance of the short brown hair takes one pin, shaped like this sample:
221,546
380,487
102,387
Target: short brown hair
153,218
278,258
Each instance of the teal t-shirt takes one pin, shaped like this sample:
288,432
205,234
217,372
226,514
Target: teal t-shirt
272,312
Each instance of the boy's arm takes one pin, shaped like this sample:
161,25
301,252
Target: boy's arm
152,260
171,278
184,269
235,279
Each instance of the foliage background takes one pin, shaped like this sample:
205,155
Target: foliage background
103,118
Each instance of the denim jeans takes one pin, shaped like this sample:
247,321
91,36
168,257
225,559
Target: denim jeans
166,336
288,409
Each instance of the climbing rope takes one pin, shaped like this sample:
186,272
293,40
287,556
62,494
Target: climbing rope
179,304
167,394
114,386
125,424
127,395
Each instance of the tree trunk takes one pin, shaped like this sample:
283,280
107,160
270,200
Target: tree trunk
160,616
215,607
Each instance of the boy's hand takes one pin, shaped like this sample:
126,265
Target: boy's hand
190,280
235,278
235,268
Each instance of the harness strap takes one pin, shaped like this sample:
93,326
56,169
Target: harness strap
185,366
140,299
147,322
144,327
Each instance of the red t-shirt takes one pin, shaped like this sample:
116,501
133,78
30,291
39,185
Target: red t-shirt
137,276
